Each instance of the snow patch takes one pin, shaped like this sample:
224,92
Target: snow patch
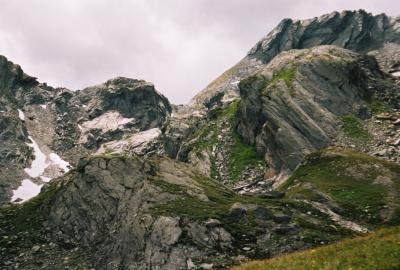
197,113
396,74
45,178
21,115
62,164
39,163
28,189
136,143
44,106
106,122
25,191
145,136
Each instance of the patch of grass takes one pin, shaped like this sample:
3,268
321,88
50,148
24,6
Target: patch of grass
378,106
231,110
207,137
379,250
285,74
348,177
25,220
242,155
354,128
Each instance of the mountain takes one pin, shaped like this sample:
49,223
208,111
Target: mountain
358,31
294,147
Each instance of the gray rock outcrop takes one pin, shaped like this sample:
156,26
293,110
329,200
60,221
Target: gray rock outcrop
293,106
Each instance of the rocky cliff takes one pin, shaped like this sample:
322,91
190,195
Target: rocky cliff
295,105
358,31
60,124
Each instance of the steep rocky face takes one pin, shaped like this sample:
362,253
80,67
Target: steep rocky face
13,81
14,153
292,107
119,107
16,90
45,129
358,31
131,98
295,104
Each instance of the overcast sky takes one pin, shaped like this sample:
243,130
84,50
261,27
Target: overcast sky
179,45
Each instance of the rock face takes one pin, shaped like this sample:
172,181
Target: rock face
358,31
354,30
293,106
131,98
70,124
120,106
14,153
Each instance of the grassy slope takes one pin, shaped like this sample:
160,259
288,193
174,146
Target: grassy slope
349,179
379,250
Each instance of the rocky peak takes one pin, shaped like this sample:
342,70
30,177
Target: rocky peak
130,97
12,78
358,31
354,30
12,74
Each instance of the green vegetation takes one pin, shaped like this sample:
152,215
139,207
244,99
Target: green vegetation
206,137
285,74
241,156
244,230
378,106
380,250
354,128
25,220
349,178
220,201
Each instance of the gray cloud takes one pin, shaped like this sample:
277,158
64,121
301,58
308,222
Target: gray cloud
179,45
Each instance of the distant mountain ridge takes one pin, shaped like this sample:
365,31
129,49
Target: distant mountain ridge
358,31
